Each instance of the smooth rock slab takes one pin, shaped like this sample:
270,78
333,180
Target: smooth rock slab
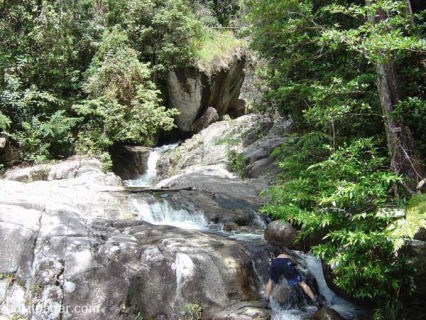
72,249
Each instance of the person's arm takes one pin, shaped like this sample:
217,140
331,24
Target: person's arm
268,290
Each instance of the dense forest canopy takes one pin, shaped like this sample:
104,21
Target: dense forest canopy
78,76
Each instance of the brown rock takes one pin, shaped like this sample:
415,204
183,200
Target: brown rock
209,117
326,313
281,234
129,162
229,226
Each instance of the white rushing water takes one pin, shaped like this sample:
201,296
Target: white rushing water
163,213
314,267
149,177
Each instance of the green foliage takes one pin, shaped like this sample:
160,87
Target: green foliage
413,109
230,141
328,90
163,31
321,73
214,47
40,140
56,55
4,122
237,163
120,92
193,311
223,11
376,39
339,198
17,316
414,220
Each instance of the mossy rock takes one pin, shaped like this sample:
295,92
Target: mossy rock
416,215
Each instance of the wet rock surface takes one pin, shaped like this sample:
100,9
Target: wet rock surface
326,313
74,242
244,311
216,208
129,162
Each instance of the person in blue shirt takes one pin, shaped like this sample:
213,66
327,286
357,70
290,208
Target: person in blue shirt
284,265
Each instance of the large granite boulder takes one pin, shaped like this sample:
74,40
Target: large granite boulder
192,90
215,208
9,155
76,167
209,117
188,93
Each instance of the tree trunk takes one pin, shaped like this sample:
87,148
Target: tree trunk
399,139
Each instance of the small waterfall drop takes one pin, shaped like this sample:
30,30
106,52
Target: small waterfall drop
148,178
162,213
299,310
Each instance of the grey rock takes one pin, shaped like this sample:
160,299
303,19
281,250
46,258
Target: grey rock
244,311
326,313
73,168
28,174
205,155
9,155
187,93
210,116
75,242
421,186
238,108
281,233
226,86
129,162
192,90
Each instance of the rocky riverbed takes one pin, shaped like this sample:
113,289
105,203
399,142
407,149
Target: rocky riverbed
72,239
77,244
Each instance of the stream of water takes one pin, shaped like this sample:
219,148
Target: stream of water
150,176
161,211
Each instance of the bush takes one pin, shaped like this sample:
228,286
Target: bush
340,198
124,106
44,140
237,163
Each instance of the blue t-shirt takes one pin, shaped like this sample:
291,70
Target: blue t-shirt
284,267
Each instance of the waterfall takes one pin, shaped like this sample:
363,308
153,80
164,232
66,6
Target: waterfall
343,307
297,307
148,178
161,212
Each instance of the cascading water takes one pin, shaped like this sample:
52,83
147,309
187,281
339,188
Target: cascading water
149,177
161,211
297,307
